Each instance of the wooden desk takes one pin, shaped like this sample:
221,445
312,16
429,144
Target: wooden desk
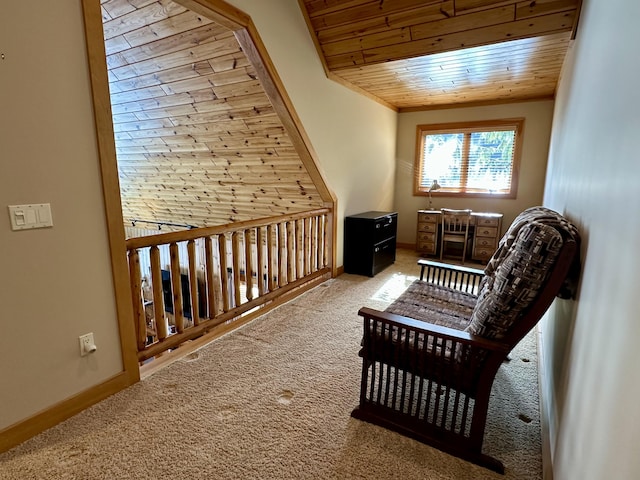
485,234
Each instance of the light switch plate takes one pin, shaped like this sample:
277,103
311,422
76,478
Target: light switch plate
24,217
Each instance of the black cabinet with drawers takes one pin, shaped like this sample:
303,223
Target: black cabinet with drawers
370,242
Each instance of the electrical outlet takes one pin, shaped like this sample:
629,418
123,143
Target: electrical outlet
87,345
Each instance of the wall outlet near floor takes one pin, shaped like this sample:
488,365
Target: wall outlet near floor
87,345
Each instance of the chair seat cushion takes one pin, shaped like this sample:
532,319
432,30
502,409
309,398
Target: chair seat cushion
422,355
435,304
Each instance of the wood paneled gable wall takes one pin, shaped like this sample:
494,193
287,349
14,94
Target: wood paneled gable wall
205,134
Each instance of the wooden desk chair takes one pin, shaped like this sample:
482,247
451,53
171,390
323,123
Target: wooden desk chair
455,229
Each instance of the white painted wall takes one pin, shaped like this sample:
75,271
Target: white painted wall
354,137
591,383
533,163
56,283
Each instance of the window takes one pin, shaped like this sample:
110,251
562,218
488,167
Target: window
472,159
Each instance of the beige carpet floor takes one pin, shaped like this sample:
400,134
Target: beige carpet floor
272,401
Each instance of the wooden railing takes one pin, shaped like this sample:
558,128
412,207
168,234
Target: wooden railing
184,284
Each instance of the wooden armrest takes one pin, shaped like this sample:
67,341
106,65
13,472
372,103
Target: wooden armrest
458,336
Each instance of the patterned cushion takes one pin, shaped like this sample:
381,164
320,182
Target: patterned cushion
548,217
435,304
515,276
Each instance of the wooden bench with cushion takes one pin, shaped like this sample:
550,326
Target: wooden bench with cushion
429,360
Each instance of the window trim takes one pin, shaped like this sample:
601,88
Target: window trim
467,127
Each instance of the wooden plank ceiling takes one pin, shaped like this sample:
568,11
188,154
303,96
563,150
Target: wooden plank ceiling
197,140
413,54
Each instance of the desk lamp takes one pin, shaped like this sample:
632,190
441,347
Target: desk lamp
434,186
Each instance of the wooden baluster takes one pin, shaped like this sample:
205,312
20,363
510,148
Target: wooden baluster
260,242
193,282
302,249
224,274
136,296
158,294
313,257
307,245
176,286
318,235
291,253
282,245
237,267
299,248
319,251
248,269
271,260
212,300
325,242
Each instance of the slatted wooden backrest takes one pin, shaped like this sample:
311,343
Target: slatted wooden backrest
455,221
